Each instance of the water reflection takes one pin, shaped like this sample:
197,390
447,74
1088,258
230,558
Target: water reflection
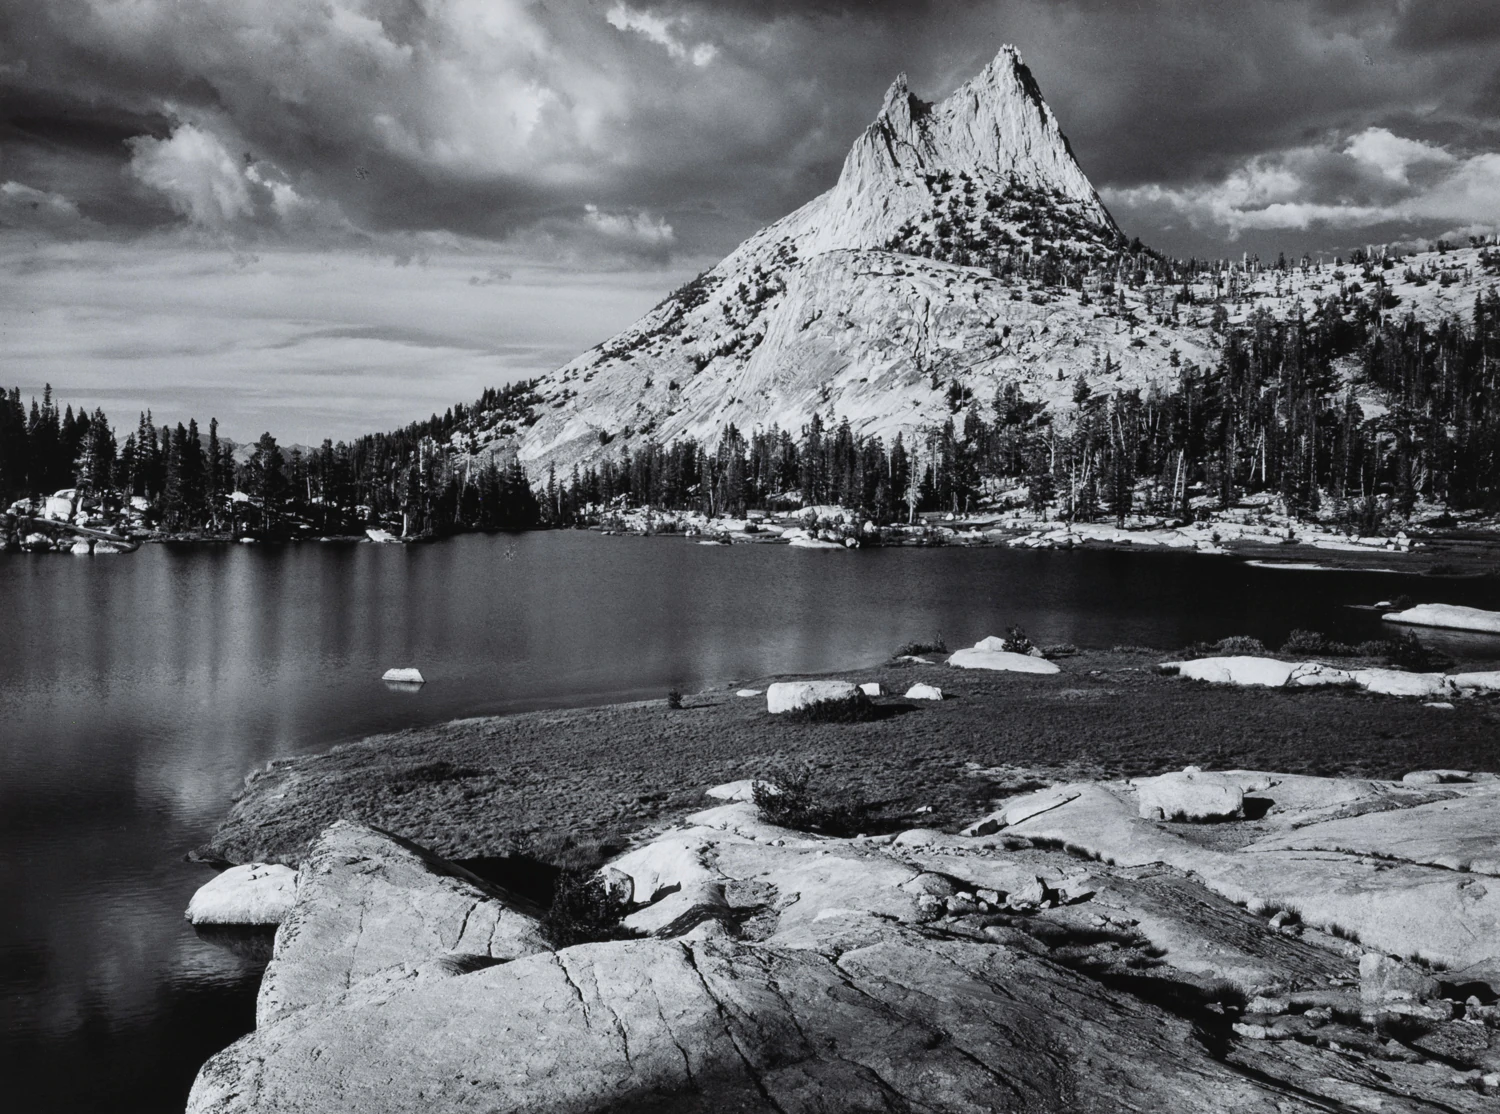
137,692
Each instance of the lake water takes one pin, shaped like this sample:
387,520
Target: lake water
136,692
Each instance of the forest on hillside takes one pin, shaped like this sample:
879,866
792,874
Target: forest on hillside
1352,411
177,480
1349,413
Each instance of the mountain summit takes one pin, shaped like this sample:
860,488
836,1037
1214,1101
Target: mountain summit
881,301
996,128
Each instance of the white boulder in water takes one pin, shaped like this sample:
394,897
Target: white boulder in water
251,894
81,548
404,676
790,696
382,536
924,692
1451,616
1001,660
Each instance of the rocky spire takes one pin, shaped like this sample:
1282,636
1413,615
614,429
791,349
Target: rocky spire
996,128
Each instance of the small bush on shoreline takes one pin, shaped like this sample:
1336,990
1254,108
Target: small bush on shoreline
584,912
790,799
914,649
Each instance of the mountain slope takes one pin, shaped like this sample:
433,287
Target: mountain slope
962,249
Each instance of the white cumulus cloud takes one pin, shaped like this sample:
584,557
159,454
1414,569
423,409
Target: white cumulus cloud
1374,177
661,31
639,227
198,175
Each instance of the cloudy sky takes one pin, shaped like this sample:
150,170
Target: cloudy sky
326,216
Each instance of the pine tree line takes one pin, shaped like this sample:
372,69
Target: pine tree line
183,482
1277,413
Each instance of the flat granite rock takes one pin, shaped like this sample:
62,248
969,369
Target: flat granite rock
367,901
1388,895
788,972
1460,834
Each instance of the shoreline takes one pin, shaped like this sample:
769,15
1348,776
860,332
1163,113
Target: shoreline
569,787
1469,555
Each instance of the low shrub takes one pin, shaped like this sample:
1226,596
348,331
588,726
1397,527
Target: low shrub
583,911
1016,641
1314,643
913,649
790,799
1234,645
674,699
1405,651
854,709
1061,650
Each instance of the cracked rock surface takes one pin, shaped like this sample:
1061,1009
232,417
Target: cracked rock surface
368,902
788,972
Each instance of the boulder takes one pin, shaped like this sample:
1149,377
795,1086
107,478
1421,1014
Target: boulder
924,692
250,894
81,548
1001,660
790,696
1190,795
1469,683
1251,672
872,688
735,790
367,901
1396,682
749,692
60,507
1311,674
1383,979
404,676
1449,616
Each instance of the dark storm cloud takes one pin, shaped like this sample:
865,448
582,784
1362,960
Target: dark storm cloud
678,125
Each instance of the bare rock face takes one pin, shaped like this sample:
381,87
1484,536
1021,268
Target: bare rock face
869,300
996,128
930,972
368,902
